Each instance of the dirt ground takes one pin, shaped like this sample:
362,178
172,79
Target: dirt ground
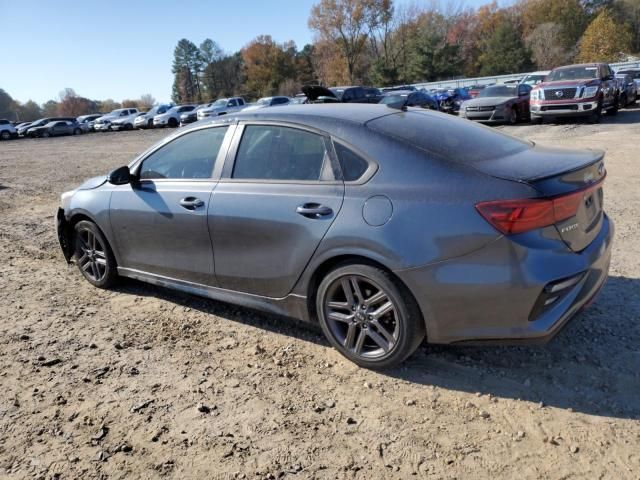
143,382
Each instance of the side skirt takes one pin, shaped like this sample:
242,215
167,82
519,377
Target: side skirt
294,306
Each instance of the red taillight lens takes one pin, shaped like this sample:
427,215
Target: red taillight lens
518,216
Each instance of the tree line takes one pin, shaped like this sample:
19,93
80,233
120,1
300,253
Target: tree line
376,42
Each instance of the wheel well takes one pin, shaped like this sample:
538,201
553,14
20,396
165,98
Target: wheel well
332,263
73,221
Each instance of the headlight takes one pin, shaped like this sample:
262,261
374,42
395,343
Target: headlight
537,94
590,92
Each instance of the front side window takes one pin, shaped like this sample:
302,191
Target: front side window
190,156
269,152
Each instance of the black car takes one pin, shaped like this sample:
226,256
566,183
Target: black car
320,94
408,98
55,129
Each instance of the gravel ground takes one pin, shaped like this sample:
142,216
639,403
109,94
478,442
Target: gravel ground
143,382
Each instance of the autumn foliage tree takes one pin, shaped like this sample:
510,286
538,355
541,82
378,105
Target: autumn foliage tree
604,40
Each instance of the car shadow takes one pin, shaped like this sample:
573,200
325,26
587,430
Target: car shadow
592,366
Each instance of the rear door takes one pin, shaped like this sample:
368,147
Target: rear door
278,196
160,221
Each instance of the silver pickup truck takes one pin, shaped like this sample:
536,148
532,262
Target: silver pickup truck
222,106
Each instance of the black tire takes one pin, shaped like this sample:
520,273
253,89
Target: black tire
128,126
623,101
513,116
594,117
613,110
150,123
95,260
400,327
45,135
173,123
77,131
5,135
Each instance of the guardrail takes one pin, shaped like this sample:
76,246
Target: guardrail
465,82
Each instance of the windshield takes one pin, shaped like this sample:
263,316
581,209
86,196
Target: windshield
533,79
338,92
264,101
498,91
116,112
573,73
220,103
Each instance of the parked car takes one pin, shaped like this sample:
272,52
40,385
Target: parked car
583,90
534,78
499,104
192,116
473,90
512,81
55,128
7,130
222,106
634,72
268,102
125,123
446,100
86,122
146,119
422,225
299,99
171,118
103,124
320,94
409,98
627,90
22,131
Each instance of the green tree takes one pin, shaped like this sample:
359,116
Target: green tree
29,111
187,67
7,105
50,108
504,52
604,40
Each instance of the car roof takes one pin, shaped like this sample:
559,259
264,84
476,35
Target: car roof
594,64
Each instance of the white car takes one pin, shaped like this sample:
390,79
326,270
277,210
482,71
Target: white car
268,102
223,106
534,78
125,123
146,119
7,130
103,123
171,118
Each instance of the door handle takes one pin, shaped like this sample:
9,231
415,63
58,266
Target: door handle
313,210
191,203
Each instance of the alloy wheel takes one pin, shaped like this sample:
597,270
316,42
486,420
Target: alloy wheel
362,317
93,259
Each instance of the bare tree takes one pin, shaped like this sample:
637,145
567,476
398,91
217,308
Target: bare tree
546,45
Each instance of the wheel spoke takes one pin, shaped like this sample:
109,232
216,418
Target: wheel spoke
360,342
346,287
339,305
381,342
356,289
86,266
382,310
385,333
340,317
95,271
82,259
351,335
375,298
101,262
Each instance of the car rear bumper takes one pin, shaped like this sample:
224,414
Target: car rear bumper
575,109
494,294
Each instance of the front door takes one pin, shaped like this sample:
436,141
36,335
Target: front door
160,221
272,208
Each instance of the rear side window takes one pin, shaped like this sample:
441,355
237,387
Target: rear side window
449,139
190,156
353,165
269,152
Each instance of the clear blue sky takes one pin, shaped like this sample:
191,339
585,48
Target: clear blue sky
122,49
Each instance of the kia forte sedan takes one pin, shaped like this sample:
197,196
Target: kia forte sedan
386,226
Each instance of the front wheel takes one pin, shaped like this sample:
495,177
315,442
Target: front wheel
513,116
45,134
536,119
93,255
77,131
5,135
368,316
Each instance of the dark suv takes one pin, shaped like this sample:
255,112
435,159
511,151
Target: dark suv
319,94
576,91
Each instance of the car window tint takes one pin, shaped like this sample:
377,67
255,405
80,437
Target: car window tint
448,139
189,156
279,153
353,165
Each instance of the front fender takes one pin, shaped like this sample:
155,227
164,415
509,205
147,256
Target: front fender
64,235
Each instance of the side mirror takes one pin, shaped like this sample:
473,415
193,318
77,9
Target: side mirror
120,176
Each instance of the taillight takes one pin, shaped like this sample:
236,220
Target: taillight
518,216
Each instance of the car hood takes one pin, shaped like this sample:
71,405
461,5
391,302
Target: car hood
569,83
313,92
33,129
488,101
110,118
92,183
212,109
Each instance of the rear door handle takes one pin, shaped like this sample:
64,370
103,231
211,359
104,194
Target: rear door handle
191,203
313,210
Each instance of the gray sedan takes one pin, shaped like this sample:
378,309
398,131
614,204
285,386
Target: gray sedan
499,104
385,226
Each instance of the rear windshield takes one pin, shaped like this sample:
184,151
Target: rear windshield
448,138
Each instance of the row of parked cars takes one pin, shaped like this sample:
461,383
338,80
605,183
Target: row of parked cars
570,91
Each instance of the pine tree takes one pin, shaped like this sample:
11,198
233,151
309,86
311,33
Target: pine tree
187,67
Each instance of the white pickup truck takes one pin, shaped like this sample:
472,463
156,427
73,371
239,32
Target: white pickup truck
222,106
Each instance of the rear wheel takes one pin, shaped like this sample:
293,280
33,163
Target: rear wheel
368,316
173,123
93,255
5,135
